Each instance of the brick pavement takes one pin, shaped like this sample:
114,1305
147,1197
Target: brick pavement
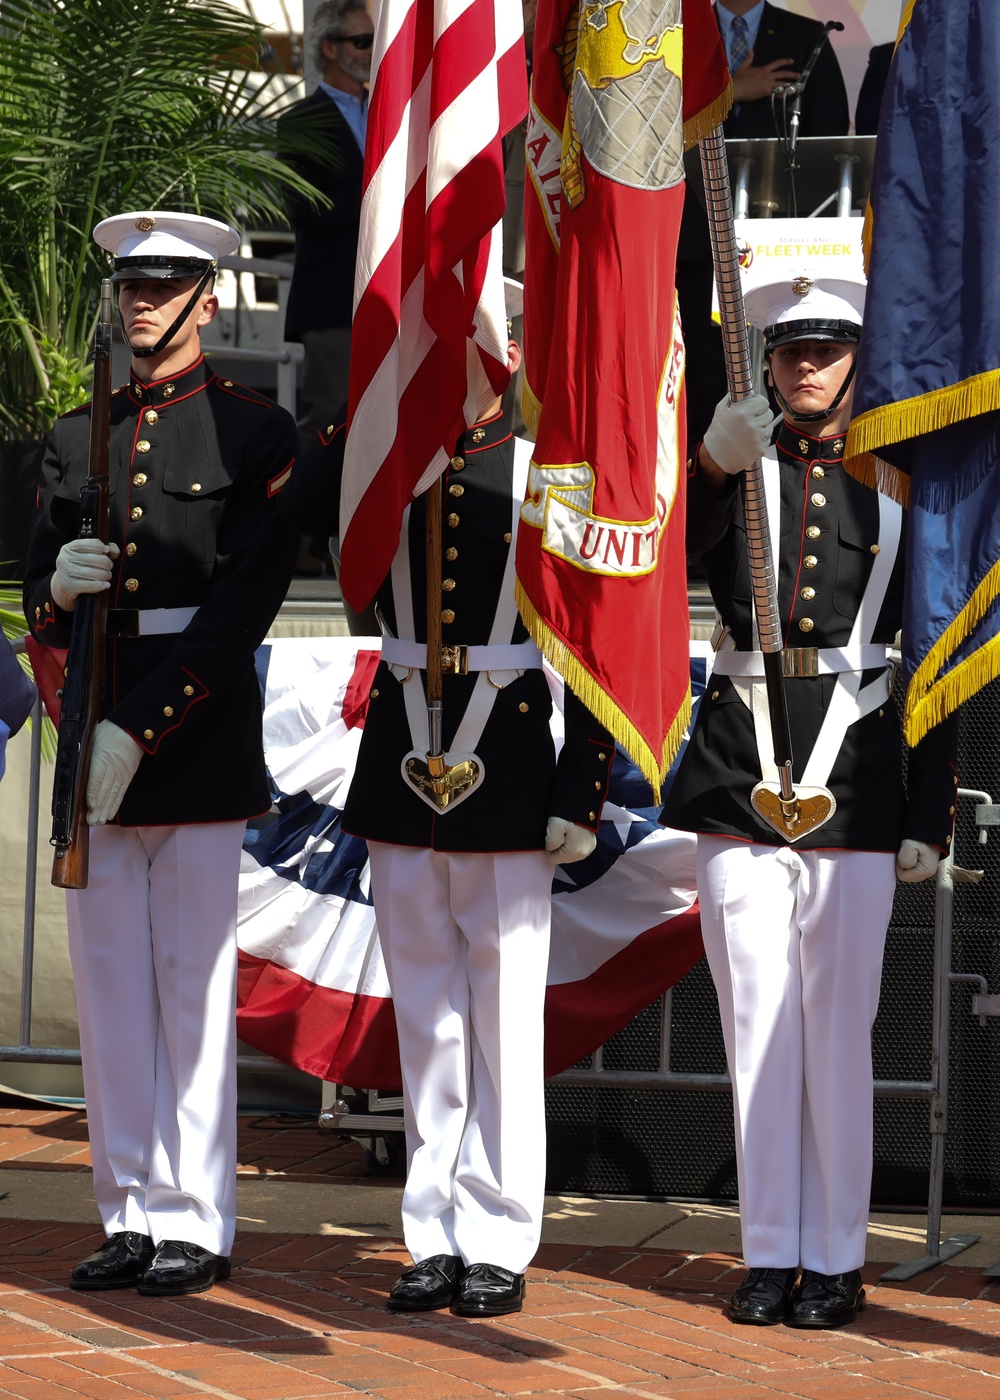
303,1316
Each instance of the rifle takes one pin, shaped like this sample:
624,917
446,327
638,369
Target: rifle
83,687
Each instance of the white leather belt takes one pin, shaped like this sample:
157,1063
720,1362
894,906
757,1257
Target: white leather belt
803,661
148,622
459,660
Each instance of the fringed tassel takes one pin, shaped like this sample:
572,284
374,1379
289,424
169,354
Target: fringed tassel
653,766
930,698
880,475
705,121
924,413
531,410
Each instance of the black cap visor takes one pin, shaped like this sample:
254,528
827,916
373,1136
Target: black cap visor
785,332
145,269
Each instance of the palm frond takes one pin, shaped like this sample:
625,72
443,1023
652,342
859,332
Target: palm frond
107,105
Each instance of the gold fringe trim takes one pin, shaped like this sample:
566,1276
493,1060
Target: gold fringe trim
880,475
924,413
904,19
531,409
653,767
704,122
930,700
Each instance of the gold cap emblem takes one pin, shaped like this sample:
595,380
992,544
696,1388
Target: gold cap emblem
145,224
801,285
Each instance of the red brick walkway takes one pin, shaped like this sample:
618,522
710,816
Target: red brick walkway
304,1316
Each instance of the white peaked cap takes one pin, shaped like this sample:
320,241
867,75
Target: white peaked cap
808,294
163,233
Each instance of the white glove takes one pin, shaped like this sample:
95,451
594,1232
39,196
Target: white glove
82,566
113,760
916,861
739,433
565,841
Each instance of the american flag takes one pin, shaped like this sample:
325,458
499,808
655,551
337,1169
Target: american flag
313,989
429,344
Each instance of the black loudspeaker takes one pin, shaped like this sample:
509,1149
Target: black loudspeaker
680,1143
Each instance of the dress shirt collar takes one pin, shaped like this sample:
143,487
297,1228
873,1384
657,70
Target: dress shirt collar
752,19
354,110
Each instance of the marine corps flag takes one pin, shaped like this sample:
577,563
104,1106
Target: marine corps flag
927,402
602,582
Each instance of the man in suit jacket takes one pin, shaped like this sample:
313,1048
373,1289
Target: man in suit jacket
333,118
767,47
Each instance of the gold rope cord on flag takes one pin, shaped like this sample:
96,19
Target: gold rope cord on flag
930,698
576,676
531,409
910,418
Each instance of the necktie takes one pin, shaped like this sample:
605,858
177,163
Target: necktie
739,43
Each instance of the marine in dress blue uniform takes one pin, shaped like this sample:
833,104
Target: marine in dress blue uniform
463,896
794,932
198,565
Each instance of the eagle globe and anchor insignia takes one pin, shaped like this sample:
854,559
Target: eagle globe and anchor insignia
622,65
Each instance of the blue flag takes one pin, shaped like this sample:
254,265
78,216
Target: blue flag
927,402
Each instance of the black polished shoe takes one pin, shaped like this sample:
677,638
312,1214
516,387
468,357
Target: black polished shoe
179,1267
827,1300
120,1262
763,1298
486,1290
428,1285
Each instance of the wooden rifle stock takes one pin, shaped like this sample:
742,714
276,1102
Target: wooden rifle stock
83,687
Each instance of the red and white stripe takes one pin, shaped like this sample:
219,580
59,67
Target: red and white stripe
429,345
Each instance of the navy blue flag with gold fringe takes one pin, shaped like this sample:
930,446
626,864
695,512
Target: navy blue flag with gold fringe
927,401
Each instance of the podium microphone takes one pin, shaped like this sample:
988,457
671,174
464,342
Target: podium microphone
795,90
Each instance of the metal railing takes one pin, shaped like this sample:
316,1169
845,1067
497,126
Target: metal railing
335,1113
287,356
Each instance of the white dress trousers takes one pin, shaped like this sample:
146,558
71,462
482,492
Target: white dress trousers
465,939
153,946
794,941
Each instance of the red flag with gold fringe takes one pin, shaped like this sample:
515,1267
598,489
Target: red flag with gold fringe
602,580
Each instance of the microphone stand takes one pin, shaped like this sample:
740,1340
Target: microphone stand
793,114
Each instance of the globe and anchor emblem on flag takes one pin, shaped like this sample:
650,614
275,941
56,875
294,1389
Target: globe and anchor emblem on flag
625,95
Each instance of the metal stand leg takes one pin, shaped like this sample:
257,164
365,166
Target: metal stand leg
938,1251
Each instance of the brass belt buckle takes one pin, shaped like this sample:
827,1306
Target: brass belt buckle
800,662
455,661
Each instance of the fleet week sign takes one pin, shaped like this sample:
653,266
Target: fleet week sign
771,249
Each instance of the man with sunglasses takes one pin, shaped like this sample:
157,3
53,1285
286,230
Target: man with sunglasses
333,118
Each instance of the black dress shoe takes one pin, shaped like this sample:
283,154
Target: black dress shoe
764,1297
486,1290
120,1262
827,1300
428,1285
179,1267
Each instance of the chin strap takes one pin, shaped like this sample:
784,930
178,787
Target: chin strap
824,413
171,331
